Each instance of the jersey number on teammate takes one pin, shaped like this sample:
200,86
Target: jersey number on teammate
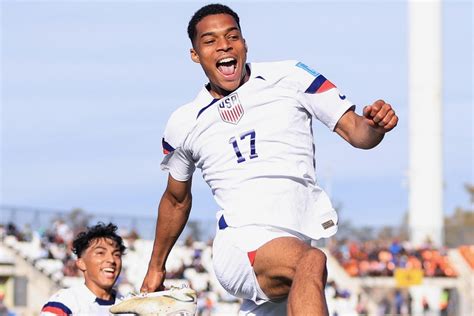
253,150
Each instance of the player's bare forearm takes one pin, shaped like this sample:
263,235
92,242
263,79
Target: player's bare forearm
367,131
172,218
173,213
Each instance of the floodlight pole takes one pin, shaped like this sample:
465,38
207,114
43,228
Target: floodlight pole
425,123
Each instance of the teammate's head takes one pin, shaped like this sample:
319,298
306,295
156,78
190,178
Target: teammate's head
218,45
84,239
99,250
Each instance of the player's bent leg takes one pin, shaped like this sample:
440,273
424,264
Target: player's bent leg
301,300
288,266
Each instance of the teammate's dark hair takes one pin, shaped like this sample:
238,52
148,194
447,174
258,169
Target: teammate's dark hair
210,9
83,239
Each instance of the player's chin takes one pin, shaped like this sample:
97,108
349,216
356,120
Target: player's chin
109,281
229,84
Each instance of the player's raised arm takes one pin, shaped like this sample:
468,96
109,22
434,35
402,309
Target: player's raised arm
368,130
173,213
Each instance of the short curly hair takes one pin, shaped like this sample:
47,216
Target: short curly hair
83,239
210,9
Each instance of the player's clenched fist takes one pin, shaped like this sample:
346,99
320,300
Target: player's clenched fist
381,116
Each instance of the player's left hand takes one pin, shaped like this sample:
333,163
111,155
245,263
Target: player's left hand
153,281
380,116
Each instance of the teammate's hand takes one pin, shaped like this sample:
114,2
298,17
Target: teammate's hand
380,116
153,281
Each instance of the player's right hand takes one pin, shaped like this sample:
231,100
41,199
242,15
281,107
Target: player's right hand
153,281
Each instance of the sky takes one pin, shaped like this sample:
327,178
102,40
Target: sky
87,88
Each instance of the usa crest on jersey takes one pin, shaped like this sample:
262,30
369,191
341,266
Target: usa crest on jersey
231,109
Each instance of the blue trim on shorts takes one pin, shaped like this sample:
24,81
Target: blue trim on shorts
222,223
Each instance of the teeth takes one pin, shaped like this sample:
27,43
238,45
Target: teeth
226,60
109,270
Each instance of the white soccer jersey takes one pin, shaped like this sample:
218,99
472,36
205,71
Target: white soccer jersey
255,147
77,300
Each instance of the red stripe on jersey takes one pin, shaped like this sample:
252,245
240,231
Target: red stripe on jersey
241,109
54,310
234,115
251,255
231,116
327,85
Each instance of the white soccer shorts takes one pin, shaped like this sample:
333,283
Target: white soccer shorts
233,254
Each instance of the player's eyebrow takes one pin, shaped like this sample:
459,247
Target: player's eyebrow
230,29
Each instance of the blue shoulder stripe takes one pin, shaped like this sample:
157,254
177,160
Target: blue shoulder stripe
166,146
316,84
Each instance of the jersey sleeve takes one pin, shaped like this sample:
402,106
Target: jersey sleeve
178,160
58,304
319,96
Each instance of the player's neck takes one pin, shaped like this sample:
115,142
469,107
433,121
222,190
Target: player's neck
103,294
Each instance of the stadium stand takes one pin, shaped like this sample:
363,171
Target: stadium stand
361,278
375,258
468,253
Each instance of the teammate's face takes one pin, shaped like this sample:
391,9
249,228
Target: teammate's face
220,49
101,263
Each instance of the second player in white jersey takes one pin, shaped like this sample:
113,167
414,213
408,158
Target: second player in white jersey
255,147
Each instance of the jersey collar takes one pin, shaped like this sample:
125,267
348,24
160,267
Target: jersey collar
89,296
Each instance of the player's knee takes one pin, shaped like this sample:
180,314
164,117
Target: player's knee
315,256
313,262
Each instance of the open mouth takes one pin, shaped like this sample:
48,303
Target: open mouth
227,66
110,272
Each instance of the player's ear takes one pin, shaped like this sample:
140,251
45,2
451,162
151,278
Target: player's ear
80,264
194,55
246,47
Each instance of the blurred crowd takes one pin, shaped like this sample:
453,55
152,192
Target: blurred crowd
468,253
381,258
190,263
55,242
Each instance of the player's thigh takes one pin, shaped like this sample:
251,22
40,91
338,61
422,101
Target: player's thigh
276,262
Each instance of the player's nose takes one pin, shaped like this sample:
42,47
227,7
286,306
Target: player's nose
223,44
109,257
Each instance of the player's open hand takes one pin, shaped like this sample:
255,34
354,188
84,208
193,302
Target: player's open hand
380,116
153,281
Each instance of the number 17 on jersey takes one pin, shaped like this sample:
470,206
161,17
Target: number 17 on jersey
235,145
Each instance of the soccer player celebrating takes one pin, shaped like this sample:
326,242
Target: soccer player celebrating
249,131
99,253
